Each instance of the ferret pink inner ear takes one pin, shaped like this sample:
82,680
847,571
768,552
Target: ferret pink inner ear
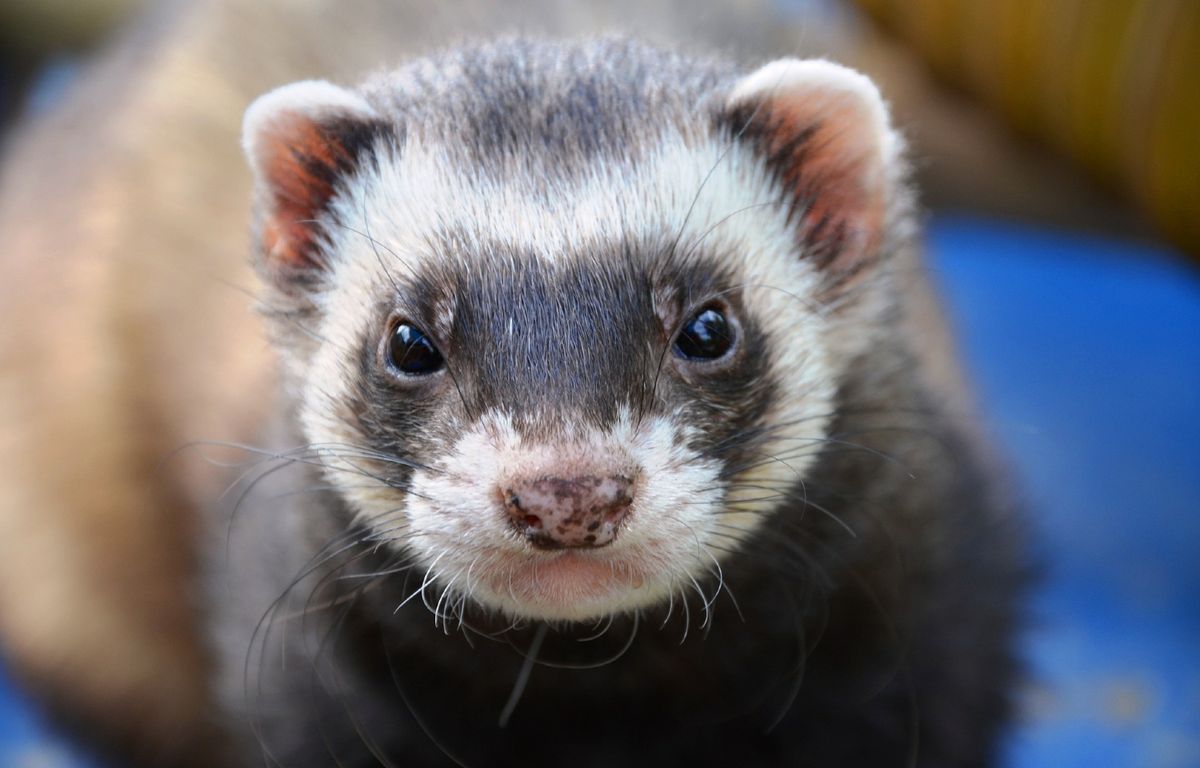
301,140
298,190
823,130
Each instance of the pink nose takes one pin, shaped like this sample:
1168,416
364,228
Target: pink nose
555,512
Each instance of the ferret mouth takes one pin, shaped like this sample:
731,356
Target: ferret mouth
568,585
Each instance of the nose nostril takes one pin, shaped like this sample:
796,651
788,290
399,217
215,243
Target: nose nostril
555,512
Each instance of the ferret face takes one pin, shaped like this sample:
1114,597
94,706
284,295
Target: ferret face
576,354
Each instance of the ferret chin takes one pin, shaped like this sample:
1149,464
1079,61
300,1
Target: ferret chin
590,347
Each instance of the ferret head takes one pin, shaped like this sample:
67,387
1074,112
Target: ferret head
568,321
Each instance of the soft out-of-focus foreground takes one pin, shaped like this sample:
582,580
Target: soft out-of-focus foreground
1056,147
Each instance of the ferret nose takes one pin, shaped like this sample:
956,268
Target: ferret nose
556,512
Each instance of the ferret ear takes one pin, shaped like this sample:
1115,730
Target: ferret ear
301,141
823,131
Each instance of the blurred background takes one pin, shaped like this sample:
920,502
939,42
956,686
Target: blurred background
1057,147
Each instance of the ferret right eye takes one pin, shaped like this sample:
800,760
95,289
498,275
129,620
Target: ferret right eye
707,336
412,353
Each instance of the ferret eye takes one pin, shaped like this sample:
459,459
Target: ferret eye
706,336
411,352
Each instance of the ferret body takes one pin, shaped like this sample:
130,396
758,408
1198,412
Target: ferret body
606,449
610,429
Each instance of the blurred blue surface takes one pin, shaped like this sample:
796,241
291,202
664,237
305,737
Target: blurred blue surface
26,740
1086,354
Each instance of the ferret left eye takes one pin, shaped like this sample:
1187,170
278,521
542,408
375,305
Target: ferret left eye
411,352
707,336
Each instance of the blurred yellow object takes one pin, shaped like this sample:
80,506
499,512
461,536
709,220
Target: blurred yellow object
1114,84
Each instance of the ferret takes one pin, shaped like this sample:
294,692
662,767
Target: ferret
600,445
603,413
